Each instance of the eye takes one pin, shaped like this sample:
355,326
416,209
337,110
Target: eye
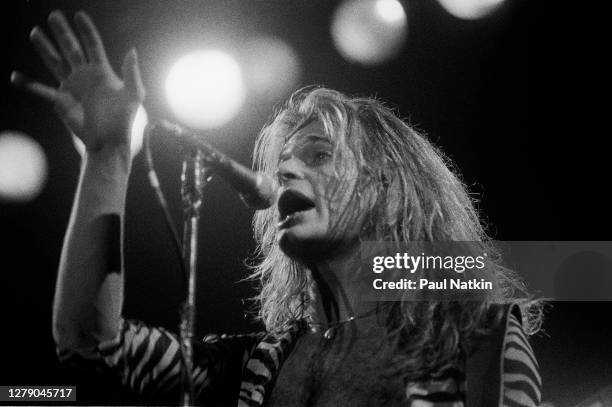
321,157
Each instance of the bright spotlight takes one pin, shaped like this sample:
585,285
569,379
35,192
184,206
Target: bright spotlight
390,11
470,9
205,89
272,67
23,167
369,32
136,133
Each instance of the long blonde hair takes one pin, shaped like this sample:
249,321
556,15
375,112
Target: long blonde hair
410,192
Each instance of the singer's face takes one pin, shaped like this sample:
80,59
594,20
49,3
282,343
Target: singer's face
315,206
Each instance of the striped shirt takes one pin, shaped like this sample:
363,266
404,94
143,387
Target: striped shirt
241,369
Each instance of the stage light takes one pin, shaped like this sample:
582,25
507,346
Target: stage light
369,32
390,10
205,89
23,167
470,9
136,133
272,67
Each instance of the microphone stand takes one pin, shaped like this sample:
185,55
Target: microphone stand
195,176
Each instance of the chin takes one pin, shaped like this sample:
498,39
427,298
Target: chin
301,246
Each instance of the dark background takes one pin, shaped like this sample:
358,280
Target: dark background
479,89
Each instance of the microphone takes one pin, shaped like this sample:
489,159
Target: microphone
257,190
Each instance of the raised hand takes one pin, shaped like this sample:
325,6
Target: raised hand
95,104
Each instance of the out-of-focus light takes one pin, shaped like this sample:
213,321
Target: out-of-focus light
369,32
390,10
272,67
205,89
139,123
470,9
23,167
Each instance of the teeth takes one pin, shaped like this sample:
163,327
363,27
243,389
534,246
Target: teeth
287,217
291,215
293,202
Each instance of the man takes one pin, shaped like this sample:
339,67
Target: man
349,170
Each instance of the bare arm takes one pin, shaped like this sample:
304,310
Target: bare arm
97,107
89,288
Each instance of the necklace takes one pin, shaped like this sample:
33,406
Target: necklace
331,331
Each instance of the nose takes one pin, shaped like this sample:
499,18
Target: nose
290,170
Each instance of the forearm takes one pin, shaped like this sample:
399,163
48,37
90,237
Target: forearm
89,290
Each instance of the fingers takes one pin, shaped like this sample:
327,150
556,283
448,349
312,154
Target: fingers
67,41
72,53
91,38
51,58
46,92
64,104
131,76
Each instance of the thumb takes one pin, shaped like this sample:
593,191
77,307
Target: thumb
131,76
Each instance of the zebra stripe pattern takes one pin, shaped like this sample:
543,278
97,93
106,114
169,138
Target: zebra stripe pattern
148,361
521,380
264,364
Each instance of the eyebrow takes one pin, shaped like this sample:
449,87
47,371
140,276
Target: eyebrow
312,137
317,137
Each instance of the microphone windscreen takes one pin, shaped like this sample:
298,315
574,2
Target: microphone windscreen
265,193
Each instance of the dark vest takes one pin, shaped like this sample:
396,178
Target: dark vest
485,368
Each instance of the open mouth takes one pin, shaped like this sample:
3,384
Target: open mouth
291,202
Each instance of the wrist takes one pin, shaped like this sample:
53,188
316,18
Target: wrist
114,158
104,179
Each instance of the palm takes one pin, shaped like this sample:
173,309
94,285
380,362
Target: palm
93,102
